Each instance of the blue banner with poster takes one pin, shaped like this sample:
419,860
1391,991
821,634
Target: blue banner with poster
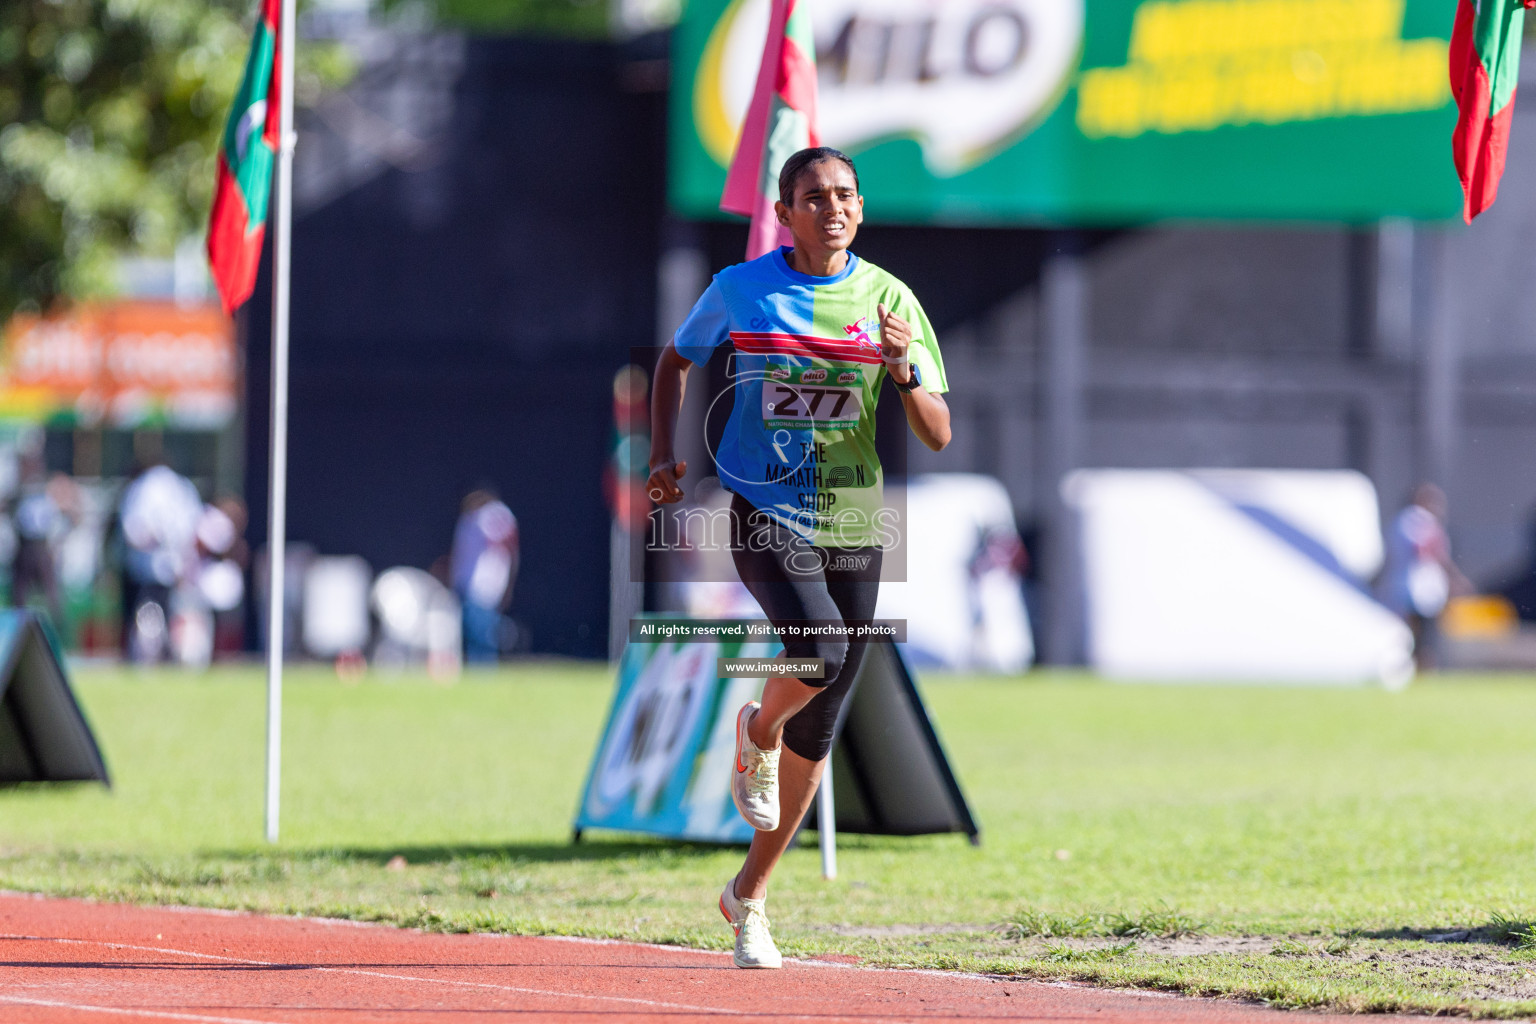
663,765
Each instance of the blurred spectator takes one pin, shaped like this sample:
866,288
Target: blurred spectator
1420,576
1002,642
482,570
45,511
159,512
222,556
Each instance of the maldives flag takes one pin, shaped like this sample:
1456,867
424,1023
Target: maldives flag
1485,66
246,155
781,120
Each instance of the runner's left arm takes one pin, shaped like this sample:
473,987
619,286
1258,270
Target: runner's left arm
927,412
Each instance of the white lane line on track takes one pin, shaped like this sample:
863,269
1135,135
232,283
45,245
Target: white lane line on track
712,1010
123,1011
703,1010
343,922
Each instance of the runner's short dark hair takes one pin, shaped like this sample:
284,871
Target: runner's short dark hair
805,158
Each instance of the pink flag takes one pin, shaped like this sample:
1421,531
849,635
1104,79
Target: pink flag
781,121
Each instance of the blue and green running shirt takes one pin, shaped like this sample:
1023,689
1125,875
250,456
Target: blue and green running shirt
800,443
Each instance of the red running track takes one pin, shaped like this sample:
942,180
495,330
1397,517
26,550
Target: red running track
73,961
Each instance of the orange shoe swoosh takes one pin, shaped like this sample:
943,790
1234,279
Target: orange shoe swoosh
739,766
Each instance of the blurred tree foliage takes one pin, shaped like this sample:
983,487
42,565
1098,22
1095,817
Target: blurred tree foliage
110,113
581,18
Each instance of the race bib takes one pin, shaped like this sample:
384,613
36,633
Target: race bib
816,397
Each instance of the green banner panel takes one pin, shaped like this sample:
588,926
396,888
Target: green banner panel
1098,111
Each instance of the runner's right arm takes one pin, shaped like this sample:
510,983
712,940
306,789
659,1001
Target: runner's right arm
707,325
667,389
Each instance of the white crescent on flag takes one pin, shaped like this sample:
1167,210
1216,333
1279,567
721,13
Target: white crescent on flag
252,122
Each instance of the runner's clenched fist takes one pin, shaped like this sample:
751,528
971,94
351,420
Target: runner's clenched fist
895,336
662,485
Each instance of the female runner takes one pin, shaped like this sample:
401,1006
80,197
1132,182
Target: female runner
814,331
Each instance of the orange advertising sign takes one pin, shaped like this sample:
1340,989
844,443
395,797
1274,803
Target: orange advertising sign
123,364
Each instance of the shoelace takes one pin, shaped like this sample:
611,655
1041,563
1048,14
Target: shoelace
754,926
765,772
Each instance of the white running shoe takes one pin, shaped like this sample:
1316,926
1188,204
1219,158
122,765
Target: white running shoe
754,946
755,782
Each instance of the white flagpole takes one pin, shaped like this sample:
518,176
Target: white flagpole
826,823
277,479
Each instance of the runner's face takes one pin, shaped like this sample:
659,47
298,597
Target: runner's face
827,210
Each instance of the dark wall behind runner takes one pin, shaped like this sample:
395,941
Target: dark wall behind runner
459,310
461,320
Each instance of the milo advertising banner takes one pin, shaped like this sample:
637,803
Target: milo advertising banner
1098,111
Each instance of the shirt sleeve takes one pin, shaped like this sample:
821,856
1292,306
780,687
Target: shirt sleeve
707,325
924,350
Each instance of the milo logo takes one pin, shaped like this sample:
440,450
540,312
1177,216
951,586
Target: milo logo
960,77
779,372
813,376
848,377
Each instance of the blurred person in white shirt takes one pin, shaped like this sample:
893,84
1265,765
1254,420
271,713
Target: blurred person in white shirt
159,511
482,569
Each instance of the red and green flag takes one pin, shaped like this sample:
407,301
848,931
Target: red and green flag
1485,67
780,121
246,156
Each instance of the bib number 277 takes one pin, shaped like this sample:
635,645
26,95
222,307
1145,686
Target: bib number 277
802,402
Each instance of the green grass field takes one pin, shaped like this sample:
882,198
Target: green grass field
1295,845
